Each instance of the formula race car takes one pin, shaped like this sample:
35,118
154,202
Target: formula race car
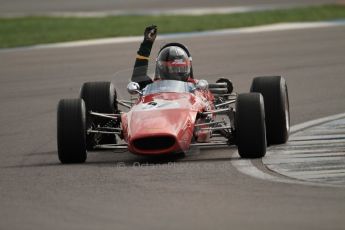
170,116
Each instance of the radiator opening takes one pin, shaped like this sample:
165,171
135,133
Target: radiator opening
154,143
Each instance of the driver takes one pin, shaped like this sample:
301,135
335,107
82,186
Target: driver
173,61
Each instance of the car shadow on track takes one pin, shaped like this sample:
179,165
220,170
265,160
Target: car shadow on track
126,159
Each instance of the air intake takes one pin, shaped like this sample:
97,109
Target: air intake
154,143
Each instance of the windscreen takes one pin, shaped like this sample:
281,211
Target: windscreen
171,86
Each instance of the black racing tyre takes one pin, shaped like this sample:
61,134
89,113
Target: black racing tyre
250,131
277,109
71,131
99,97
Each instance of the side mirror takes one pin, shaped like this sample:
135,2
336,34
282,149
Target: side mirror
202,84
134,88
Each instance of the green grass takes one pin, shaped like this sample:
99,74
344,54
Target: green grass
25,31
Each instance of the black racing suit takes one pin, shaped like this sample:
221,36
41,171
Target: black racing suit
141,64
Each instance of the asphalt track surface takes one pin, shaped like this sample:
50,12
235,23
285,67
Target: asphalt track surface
43,6
203,190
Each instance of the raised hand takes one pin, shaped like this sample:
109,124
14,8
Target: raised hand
150,33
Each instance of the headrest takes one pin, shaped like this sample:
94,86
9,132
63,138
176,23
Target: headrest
178,45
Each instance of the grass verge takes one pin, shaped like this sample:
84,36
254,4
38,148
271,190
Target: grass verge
25,31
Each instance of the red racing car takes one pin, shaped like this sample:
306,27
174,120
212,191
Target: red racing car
170,116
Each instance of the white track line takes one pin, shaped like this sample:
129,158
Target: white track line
157,12
245,30
246,166
299,127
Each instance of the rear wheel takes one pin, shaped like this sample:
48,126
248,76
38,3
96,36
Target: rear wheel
99,97
250,128
71,131
275,93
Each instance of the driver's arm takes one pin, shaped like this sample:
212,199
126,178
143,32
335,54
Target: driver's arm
142,60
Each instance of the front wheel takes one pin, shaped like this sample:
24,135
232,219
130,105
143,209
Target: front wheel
250,129
71,134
